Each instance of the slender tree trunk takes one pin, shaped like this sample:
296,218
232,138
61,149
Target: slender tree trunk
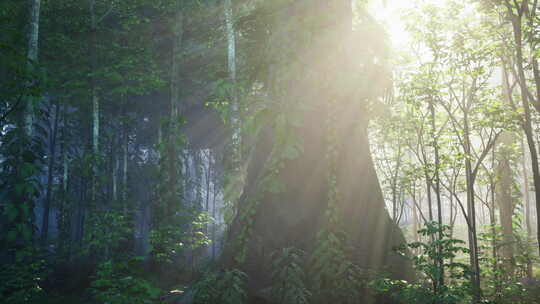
504,189
125,158
534,157
174,110
429,198
532,20
65,172
95,123
394,184
451,220
231,62
94,97
50,167
207,175
471,210
527,209
394,202
32,55
197,159
437,191
415,225
536,73
505,202
24,201
33,34
493,229
214,224
527,124
64,219
207,181
115,166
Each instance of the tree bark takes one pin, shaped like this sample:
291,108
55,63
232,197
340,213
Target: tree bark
64,218
32,55
493,230
231,63
174,111
125,159
306,77
504,189
94,97
471,210
50,172
114,167
437,190
527,209
505,202
527,123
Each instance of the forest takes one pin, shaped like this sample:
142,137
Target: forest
269,151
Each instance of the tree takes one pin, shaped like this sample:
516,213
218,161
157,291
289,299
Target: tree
32,55
522,17
313,139
231,63
453,76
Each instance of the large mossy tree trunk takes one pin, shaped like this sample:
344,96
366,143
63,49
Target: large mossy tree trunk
318,68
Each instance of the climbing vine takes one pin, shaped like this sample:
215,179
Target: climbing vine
289,282
333,276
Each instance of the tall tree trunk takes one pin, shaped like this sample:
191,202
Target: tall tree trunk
125,158
504,189
32,55
527,209
65,171
115,167
214,213
471,210
50,172
532,24
64,218
174,111
94,97
394,185
493,230
296,214
428,195
437,189
197,161
231,63
23,223
527,123
415,225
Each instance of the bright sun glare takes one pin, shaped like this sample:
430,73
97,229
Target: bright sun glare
390,16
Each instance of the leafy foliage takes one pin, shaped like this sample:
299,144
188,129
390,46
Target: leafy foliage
226,287
333,277
169,241
22,280
426,291
123,283
506,280
288,277
107,233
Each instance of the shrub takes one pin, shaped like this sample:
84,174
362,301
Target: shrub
118,283
226,287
